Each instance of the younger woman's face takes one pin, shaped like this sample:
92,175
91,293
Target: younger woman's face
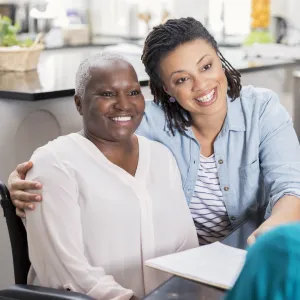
193,74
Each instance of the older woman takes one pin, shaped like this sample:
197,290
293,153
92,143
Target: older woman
111,199
235,146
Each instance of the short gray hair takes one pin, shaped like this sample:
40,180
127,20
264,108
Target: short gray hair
83,74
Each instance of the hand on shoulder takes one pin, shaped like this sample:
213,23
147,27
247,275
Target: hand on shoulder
18,187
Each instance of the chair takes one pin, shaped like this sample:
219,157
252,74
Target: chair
21,263
31,292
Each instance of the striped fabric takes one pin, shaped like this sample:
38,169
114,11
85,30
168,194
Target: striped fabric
207,206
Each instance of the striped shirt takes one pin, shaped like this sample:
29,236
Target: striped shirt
207,207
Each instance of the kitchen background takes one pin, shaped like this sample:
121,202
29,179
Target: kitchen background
37,106
103,21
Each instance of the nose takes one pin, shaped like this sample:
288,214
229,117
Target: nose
199,83
122,102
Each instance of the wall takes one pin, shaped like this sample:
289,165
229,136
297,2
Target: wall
192,8
114,17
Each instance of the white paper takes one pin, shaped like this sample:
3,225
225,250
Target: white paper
214,264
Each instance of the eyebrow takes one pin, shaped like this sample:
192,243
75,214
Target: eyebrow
179,71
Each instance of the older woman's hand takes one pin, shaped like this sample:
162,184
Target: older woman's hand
17,187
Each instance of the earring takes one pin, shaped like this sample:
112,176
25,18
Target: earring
223,69
172,99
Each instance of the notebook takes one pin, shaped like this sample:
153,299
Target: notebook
215,264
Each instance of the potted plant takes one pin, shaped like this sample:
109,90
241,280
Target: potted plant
16,54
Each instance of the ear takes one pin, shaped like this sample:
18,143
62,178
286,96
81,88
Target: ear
78,104
166,90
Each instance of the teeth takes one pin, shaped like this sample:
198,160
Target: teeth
121,119
207,97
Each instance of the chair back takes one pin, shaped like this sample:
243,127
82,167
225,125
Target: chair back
19,247
31,292
17,236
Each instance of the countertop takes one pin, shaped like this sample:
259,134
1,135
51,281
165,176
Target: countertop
55,75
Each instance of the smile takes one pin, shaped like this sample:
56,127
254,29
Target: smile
206,98
121,119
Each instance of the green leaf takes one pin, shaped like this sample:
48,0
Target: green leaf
7,20
12,29
8,34
26,43
18,26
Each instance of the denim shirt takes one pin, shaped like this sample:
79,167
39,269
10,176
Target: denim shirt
257,152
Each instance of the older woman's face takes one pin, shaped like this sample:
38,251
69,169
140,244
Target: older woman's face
193,74
113,104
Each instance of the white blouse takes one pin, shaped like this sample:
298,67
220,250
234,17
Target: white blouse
97,224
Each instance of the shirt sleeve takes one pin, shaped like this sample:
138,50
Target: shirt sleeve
54,232
153,122
279,152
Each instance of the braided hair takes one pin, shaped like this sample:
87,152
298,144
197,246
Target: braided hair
160,42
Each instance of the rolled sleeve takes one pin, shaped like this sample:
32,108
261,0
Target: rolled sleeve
279,152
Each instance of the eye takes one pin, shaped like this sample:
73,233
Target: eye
134,93
207,67
181,80
107,94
